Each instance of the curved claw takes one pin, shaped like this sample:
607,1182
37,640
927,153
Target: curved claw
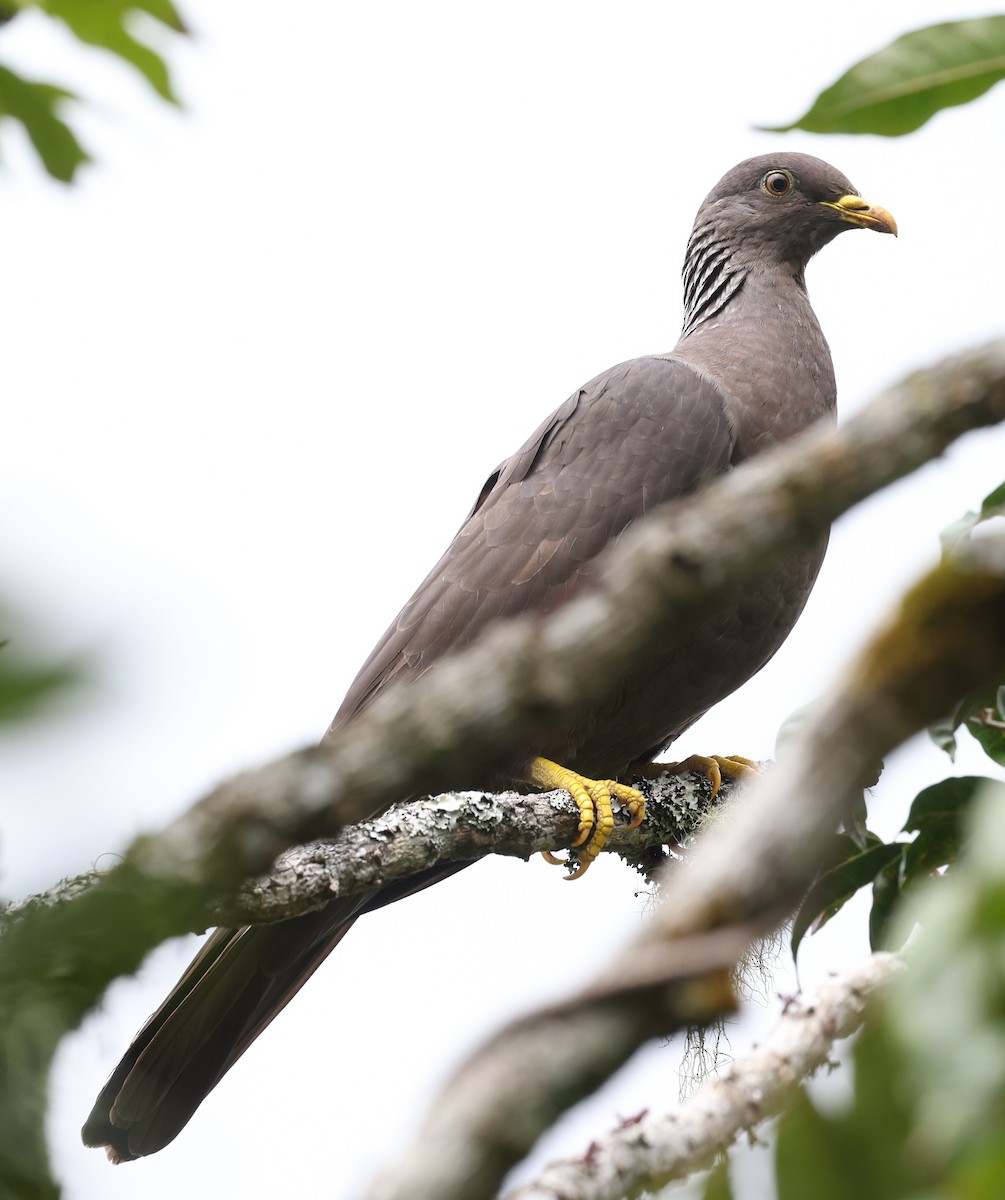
596,813
634,801
715,768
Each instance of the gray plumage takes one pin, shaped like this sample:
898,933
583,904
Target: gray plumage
751,369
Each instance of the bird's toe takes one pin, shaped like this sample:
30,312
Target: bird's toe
595,800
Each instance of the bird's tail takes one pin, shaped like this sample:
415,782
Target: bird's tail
236,984
232,989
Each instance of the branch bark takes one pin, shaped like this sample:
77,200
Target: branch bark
420,834
462,827
645,1155
428,735
425,737
743,879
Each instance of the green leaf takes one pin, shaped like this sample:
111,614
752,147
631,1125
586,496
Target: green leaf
35,106
31,680
943,733
949,801
982,714
982,1173
883,1105
836,885
988,727
976,705
901,86
817,1156
928,1106
807,1156
993,505
855,822
26,689
106,23
887,891
938,816
859,1152
717,1185
948,1008
24,693
957,532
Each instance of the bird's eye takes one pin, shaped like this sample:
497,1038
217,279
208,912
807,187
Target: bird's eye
778,183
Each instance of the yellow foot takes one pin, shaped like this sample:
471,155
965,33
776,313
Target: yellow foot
715,769
596,814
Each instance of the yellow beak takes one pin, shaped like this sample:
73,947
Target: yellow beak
857,211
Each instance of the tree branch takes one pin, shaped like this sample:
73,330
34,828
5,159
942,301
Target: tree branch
645,1155
744,877
446,727
462,827
421,834
436,732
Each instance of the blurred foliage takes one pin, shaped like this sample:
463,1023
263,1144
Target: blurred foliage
937,815
105,24
860,1151
993,505
900,87
927,1116
848,868
936,819
31,681
717,1185
982,715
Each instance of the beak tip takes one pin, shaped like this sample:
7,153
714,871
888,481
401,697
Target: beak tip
885,222
856,211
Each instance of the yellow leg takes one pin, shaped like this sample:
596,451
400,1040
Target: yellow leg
596,814
715,768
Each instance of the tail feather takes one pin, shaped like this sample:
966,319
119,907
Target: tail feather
232,989
240,980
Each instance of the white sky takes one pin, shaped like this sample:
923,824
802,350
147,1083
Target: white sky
257,366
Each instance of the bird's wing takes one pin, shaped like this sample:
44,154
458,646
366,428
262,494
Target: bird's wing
636,436
640,434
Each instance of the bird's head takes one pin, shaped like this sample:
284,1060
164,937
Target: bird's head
785,207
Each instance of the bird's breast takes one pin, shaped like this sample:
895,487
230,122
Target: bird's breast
769,358
684,677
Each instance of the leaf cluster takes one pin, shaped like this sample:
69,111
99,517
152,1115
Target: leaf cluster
107,25
938,815
928,1106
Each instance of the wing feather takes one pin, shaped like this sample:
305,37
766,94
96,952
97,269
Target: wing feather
639,435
